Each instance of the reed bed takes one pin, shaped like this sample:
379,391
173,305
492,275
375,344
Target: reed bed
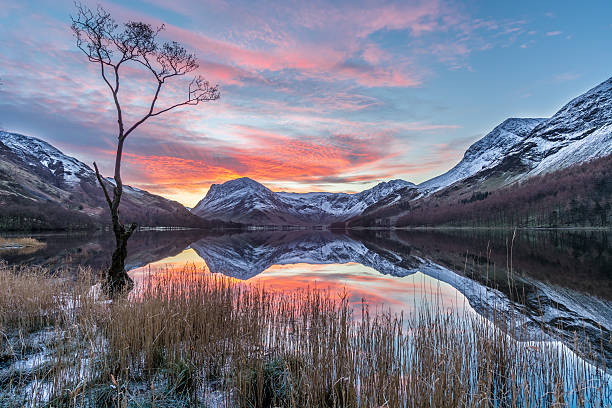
190,338
19,243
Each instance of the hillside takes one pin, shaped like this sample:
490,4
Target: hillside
485,153
518,182
42,188
578,196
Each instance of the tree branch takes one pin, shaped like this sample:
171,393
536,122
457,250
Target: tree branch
200,90
101,181
149,114
99,37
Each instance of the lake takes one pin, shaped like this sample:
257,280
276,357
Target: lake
557,280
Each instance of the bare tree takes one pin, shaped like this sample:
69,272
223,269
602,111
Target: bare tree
111,46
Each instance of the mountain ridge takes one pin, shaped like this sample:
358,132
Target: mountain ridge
578,133
485,152
42,188
35,173
247,201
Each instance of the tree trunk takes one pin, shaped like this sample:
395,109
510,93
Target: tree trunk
117,279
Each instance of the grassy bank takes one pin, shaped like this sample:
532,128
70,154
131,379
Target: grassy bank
20,243
192,339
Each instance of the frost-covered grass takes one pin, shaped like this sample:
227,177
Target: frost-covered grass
196,339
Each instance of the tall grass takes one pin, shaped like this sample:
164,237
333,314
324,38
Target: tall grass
195,339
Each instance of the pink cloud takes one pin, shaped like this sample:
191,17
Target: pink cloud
301,66
314,59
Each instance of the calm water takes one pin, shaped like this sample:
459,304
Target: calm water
559,280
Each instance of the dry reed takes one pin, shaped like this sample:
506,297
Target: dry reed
195,339
19,243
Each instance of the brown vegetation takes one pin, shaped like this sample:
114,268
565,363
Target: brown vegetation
577,196
197,339
10,243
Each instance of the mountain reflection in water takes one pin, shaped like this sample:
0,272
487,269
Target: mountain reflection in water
557,280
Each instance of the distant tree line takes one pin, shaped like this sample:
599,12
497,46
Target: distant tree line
23,214
18,214
579,196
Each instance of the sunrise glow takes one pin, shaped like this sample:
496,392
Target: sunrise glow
314,97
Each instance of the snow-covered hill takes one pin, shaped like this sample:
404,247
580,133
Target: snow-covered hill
36,152
516,150
578,132
485,153
522,147
247,201
37,179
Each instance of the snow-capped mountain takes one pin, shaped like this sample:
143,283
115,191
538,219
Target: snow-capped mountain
485,153
578,132
247,201
514,151
35,153
38,182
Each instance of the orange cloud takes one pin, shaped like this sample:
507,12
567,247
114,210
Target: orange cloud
264,155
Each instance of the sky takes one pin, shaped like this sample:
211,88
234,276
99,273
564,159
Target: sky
315,96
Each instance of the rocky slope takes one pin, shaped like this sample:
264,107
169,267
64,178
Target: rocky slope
485,153
515,151
521,148
42,188
580,131
247,201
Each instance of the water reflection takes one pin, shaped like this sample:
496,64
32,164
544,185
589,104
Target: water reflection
246,255
561,281
365,285
68,251
579,260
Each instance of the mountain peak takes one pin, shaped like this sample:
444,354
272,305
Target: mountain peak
386,187
518,124
245,200
588,106
486,152
237,184
605,86
399,182
580,131
243,181
38,152
54,190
